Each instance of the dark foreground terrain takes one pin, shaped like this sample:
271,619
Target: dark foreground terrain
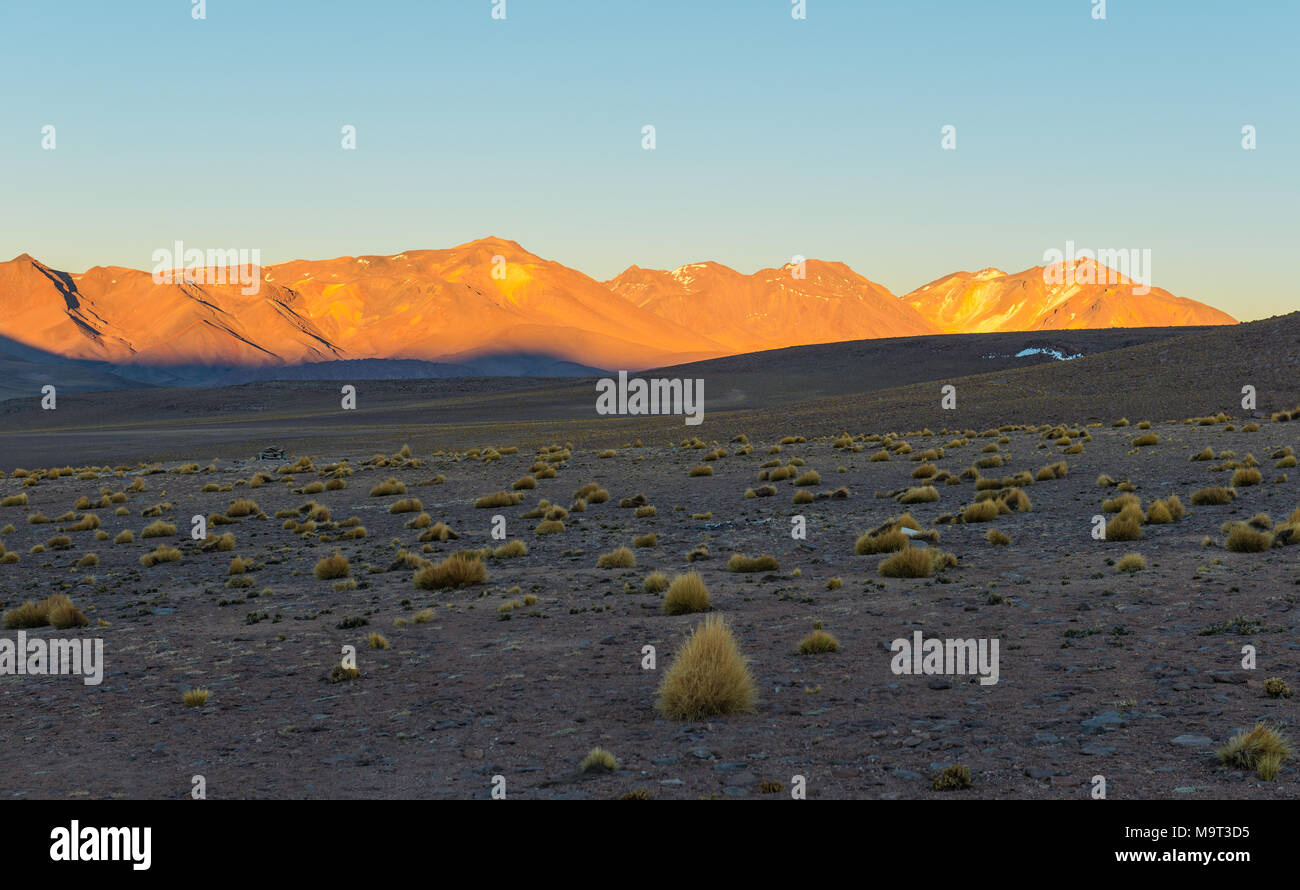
1136,677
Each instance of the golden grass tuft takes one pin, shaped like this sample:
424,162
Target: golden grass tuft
511,550
196,697
981,511
1244,539
160,555
1123,528
158,529
742,563
996,538
655,582
1131,563
332,567
618,558
817,643
1246,476
709,677
687,593
406,505
1263,749
1214,496
457,570
598,760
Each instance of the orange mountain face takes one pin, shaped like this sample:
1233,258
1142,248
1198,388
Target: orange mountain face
1063,295
491,296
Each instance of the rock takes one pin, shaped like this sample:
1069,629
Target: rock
1190,740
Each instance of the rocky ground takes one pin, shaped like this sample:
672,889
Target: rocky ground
1134,677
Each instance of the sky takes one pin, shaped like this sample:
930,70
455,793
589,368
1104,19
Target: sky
775,136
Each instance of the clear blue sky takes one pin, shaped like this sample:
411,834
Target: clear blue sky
775,137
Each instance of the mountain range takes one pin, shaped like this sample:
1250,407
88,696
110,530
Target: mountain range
491,297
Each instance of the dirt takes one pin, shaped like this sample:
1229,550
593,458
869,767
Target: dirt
1102,673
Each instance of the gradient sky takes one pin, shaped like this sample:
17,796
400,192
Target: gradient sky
776,137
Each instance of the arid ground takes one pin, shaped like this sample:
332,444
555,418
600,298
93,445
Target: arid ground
1134,676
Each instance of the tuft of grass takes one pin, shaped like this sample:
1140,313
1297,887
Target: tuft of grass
377,641
332,567
709,677
1123,528
1145,440
406,505
981,511
160,555
619,558
996,538
387,487
511,550
1244,539
1275,687
1263,749
923,495
1246,476
1214,496
701,470
15,500
954,777
687,593
457,570
655,582
598,760
915,562
742,563
818,642
497,499
196,697
55,609
158,529
1131,563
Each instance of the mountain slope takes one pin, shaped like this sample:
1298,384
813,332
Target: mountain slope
991,300
771,309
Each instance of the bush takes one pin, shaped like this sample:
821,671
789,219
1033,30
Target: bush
818,642
741,563
619,558
1244,539
709,676
1130,562
1123,528
332,567
457,570
687,593
1214,496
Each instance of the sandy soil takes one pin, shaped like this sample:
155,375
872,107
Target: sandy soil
1101,673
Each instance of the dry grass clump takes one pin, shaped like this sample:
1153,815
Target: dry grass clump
90,559
810,477
916,562
1124,527
619,558
511,550
1214,496
742,563
981,511
701,470
953,777
56,609
15,500
1131,563
160,555
407,505
439,531
1145,440
1276,687
377,641
126,536
242,507
196,697
817,643
598,760
687,593
549,527
387,487
1246,476
803,496
498,499
158,529
1057,470
709,677
923,495
1263,749
457,570
655,582
332,567
647,540
1244,539
996,538
525,484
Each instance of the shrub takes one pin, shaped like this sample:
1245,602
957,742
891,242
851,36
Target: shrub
158,529
619,558
196,697
40,613
1244,539
598,760
818,642
387,487
159,555
511,550
701,470
90,559
1214,496
1158,513
997,538
647,540
741,563
1130,562
15,500
1262,749
687,593
439,531
457,570
549,527
1123,528
655,582
708,677
527,482
406,505
915,562
1246,476
126,536
1146,439
925,494
954,777
811,477
885,542
497,499
982,511
332,567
